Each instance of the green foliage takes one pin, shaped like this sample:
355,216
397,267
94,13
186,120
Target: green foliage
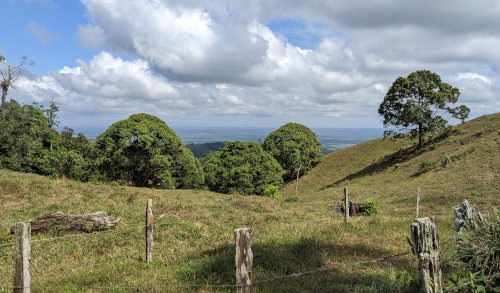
241,167
142,150
25,136
480,250
292,198
427,166
467,282
272,192
413,104
294,146
446,161
369,207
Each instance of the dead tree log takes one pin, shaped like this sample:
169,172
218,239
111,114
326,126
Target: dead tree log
60,221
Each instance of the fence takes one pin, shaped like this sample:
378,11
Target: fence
425,239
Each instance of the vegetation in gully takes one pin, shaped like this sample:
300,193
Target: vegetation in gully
198,203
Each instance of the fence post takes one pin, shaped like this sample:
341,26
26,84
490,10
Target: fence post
418,202
21,258
243,259
346,204
425,236
149,231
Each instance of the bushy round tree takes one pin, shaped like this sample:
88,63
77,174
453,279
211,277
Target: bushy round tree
241,167
294,146
143,151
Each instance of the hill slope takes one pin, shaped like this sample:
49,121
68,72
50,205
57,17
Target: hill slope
193,228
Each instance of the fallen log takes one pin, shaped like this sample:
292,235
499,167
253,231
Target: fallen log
354,208
60,221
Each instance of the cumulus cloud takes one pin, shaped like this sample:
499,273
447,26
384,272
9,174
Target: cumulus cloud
209,59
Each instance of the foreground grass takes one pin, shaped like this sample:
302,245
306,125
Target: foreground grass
193,229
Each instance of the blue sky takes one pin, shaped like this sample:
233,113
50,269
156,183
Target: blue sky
198,63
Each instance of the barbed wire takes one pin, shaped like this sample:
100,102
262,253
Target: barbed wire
293,275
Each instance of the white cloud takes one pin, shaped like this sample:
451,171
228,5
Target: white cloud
43,35
207,59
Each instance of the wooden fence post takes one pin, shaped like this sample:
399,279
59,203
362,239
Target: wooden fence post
418,202
346,204
149,231
21,258
425,236
243,259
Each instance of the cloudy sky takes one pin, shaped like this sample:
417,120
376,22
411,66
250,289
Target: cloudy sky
231,63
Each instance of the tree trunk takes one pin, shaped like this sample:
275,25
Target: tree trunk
85,223
4,98
420,136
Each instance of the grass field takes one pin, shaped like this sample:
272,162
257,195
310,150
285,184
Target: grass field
193,228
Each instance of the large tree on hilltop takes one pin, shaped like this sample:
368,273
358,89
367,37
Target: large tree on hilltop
415,104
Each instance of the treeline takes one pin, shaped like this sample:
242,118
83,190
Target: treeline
143,151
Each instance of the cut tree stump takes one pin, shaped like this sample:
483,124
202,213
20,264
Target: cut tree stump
354,208
97,221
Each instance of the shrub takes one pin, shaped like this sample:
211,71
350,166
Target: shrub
480,250
241,167
427,166
369,207
446,161
292,198
272,192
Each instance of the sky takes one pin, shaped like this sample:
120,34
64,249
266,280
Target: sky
245,63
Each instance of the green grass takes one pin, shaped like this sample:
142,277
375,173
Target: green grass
193,228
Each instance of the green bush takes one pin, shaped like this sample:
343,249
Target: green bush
292,198
272,192
241,167
427,166
294,146
369,207
446,161
480,250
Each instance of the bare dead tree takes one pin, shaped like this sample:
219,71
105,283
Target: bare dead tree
9,75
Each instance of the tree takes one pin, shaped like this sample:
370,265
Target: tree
51,114
241,167
25,137
294,146
143,151
414,103
9,75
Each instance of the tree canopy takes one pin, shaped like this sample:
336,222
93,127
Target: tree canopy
143,151
241,167
25,137
294,146
415,104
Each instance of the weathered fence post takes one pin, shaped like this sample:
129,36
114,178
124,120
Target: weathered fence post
346,204
418,202
425,236
243,259
149,231
21,258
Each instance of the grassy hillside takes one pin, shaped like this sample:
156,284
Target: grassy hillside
193,229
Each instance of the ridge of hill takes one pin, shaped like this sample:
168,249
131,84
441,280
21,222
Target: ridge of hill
466,165
193,229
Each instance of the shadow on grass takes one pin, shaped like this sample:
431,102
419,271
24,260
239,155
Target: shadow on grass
272,260
402,155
